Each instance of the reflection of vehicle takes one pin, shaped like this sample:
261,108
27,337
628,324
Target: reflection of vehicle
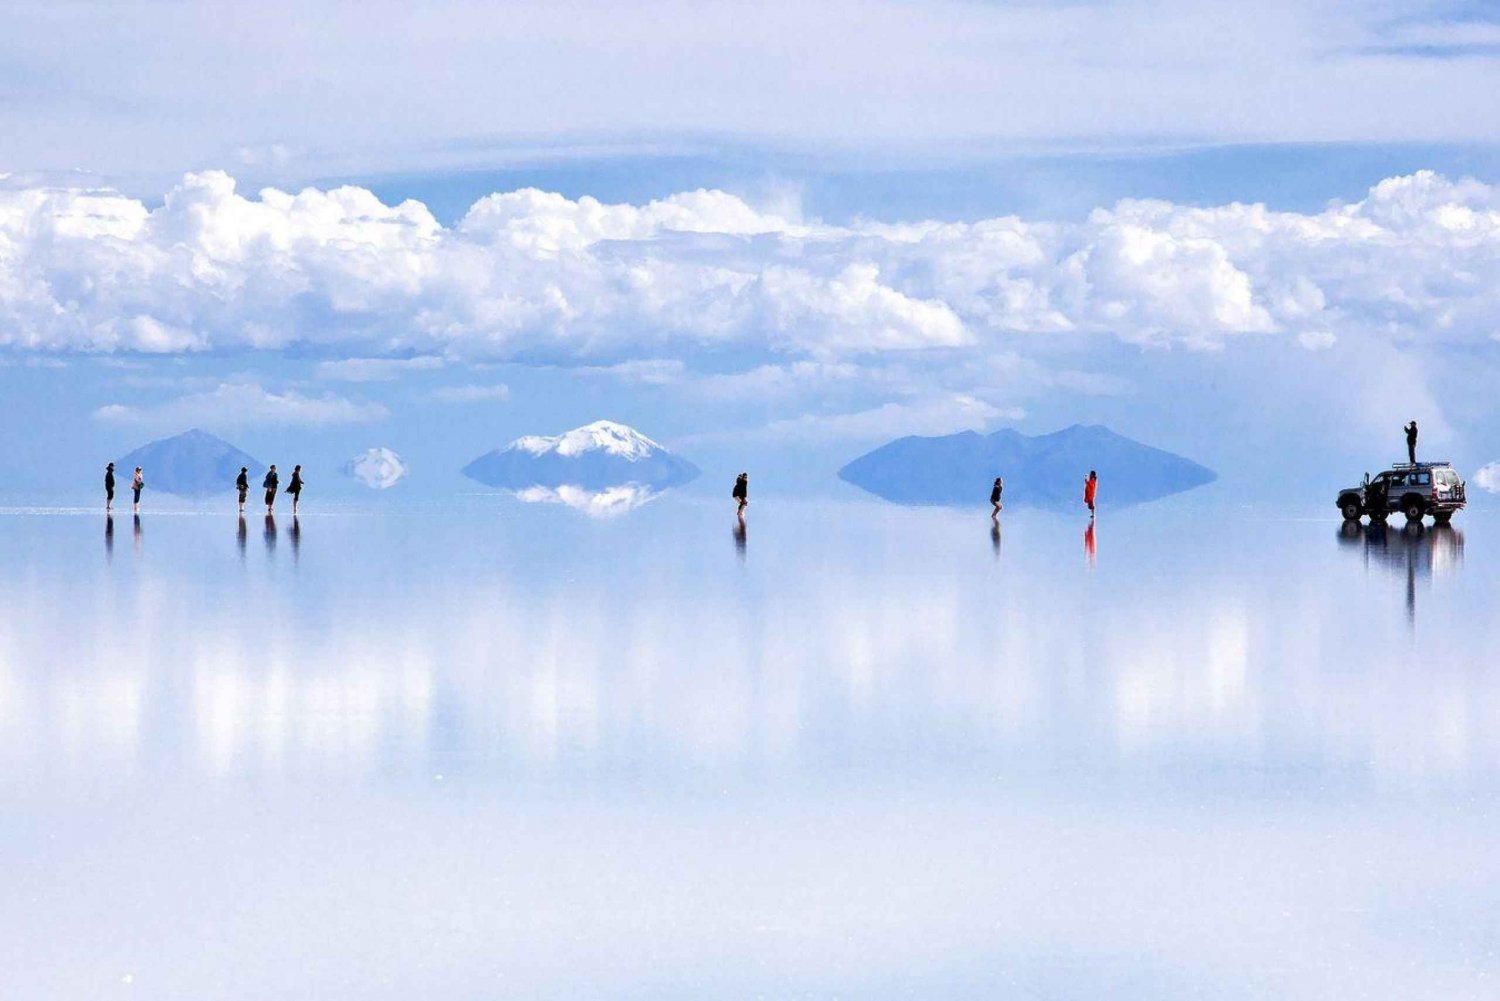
1415,489
1415,551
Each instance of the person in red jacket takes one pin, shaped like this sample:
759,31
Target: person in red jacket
1090,490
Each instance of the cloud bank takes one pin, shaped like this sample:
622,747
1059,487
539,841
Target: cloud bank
245,403
377,468
527,273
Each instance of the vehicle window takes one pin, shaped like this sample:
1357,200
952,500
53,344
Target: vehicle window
1395,479
1424,479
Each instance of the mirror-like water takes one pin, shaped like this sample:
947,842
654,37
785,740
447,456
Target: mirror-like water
852,751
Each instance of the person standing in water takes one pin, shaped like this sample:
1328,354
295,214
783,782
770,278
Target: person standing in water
995,492
1090,491
109,487
742,493
1411,443
295,488
242,484
137,484
270,483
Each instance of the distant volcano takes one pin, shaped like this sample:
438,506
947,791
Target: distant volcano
596,456
192,464
1041,471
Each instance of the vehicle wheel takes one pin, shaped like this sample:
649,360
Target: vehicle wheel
1351,510
1412,509
1442,518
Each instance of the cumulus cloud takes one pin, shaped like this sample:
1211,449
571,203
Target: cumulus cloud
377,468
245,403
935,416
1488,478
471,394
537,275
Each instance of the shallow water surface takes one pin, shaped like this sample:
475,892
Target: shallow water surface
855,751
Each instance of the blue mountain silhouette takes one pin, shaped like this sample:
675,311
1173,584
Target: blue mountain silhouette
1040,471
192,464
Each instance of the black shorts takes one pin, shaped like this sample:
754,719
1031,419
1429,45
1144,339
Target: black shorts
109,493
243,494
270,497
136,491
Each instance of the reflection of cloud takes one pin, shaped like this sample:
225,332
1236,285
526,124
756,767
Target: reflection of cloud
607,503
377,468
1488,478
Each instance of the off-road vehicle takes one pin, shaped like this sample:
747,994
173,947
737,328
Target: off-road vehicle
1416,489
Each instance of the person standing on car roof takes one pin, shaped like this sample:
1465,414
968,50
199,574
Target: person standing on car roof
1411,442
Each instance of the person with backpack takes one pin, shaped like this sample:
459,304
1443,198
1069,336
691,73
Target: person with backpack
742,493
242,484
109,487
270,483
1090,491
995,492
295,488
137,484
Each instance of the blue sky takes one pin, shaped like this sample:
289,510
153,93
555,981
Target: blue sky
770,235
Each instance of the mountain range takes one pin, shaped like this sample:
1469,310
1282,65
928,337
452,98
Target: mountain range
1040,471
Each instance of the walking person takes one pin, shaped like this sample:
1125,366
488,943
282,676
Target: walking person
742,493
109,487
242,484
1411,443
295,488
995,492
1090,491
270,483
137,484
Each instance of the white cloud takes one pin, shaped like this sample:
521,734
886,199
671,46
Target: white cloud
471,394
1488,478
530,274
375,369
245,403
377,468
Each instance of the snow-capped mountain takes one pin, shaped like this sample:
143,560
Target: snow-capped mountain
192,464
596,456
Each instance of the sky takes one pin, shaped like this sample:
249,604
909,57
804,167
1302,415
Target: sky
774,235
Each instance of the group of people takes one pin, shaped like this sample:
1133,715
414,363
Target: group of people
1090,494
270,484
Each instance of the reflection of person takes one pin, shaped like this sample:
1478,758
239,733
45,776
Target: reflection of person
270,533
995,537
240,536
242,484
1411,443
742,492
296,536
137,484
295,488
995,492
109,535
270,483
109,487
739,539
1091,490
1090,545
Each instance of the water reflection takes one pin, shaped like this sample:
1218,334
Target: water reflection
241,537
995,538
270,535
135,533
295,534
740,536
1090,546
109,537
1412,551
610,502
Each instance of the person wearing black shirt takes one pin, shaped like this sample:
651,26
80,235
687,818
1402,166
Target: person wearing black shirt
1411,443
742,492
109,487
270,483
995,492
242,484
295,488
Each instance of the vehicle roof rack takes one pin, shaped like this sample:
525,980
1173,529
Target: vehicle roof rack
1420,465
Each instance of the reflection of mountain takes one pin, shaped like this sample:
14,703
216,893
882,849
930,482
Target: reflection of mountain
597,456
377,468
192,464
604,503
1045,470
